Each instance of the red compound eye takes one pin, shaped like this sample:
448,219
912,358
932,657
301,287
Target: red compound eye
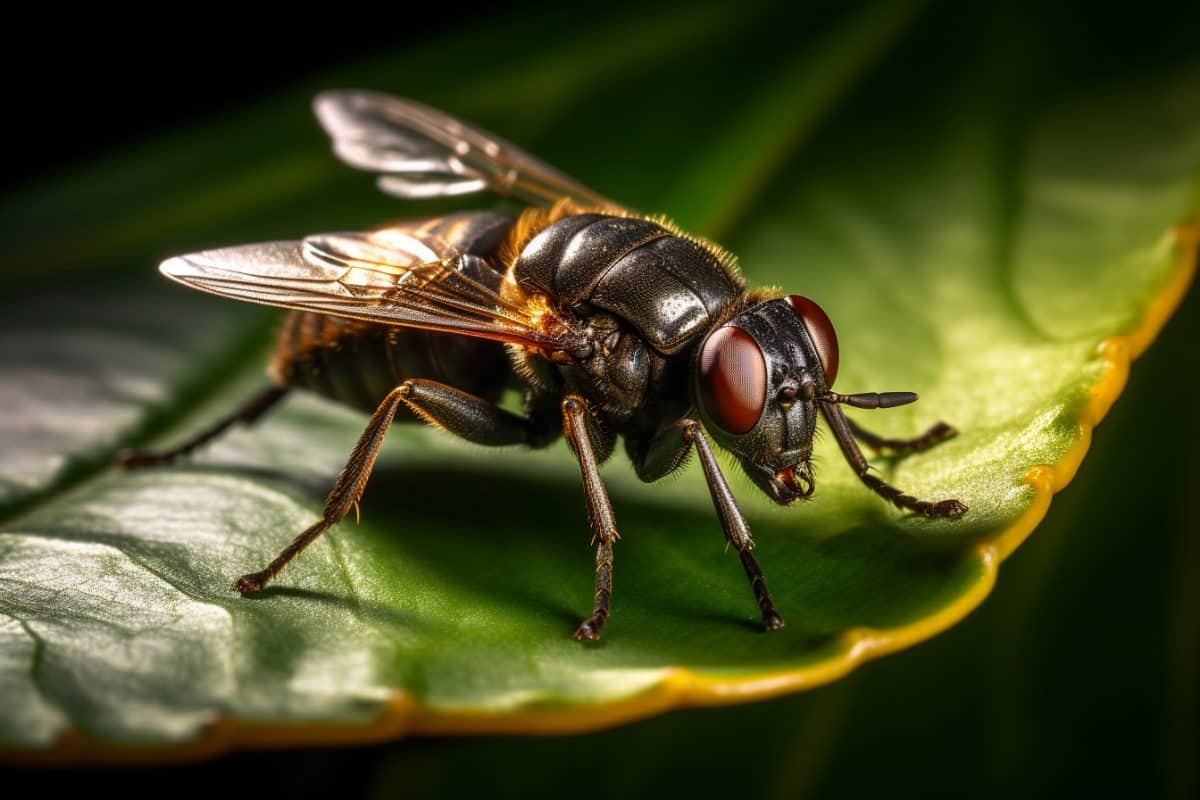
733,379
820,330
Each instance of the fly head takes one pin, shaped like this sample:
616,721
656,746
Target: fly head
755,384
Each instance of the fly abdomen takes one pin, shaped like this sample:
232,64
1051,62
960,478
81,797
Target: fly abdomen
357,363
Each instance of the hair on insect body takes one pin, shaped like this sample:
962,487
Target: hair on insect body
613,325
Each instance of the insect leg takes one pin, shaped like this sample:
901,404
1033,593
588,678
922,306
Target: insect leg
845,438
463,414
936,434
577,424
248,414
469,417
737,532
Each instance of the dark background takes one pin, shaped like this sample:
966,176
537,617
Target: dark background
100,83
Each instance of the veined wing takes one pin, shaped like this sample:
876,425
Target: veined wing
422,152
393,276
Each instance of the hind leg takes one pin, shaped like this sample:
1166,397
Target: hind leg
248,414
462,414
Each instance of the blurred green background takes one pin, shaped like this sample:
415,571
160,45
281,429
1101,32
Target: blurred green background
1080,674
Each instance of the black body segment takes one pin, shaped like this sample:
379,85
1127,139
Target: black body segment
657,455
668,288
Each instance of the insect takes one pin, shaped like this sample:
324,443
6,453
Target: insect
611,324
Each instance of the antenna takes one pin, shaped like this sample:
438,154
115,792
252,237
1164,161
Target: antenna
870,399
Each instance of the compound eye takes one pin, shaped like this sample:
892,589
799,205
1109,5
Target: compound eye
733,379
820,330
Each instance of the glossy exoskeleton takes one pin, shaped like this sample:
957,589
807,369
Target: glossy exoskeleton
612,324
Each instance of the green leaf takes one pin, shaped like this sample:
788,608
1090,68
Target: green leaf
1001,243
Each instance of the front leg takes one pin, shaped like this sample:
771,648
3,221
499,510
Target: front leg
664,453
577,426
734,524
898,448
844,434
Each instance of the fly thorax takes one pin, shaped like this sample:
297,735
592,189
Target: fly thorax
618,365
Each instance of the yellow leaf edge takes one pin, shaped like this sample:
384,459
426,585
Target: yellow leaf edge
404,715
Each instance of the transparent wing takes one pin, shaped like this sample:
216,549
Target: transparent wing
422,152
392,276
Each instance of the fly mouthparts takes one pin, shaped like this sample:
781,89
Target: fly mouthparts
793,477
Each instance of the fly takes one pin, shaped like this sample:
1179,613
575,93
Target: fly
612,325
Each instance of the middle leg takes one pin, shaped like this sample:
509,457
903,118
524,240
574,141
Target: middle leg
579,429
